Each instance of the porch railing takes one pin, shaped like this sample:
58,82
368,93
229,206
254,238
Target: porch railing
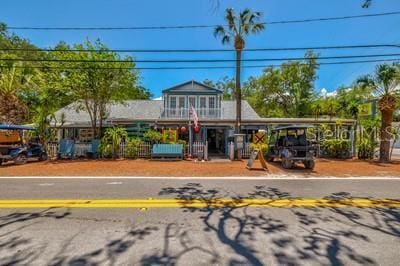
185,113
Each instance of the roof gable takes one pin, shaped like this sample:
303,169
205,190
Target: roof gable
192,87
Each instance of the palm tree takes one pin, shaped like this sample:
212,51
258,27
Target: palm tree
236,30
13,81
385,83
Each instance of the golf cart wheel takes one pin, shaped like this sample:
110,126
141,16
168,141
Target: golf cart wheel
286,163
43,157
309,164
21,159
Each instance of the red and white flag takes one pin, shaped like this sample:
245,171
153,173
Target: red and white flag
194,115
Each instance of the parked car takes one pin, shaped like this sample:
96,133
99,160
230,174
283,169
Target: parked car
290,145
17,151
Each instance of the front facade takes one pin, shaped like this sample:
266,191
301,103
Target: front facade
216,117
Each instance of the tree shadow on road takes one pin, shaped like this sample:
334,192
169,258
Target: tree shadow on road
19,250
303,236
107,254
233,234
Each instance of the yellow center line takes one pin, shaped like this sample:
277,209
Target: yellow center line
199,203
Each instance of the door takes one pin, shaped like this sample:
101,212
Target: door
216,141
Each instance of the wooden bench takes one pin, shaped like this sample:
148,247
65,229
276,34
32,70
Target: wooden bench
167,151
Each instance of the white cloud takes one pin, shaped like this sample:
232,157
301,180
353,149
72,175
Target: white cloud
324,93
332,93
158,98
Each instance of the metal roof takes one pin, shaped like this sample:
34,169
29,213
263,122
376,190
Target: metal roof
191,86
292,127
145,110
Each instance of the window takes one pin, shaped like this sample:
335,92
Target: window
172,102
192,102
181,102
86,135
211,102
203,103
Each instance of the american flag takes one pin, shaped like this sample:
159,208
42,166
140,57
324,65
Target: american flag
194,115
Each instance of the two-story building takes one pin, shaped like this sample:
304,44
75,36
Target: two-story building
216,117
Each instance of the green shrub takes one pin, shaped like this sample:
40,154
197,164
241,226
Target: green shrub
105,149
263,147
111,141
132,147
336,148
169,136
183,142
153,136
366,149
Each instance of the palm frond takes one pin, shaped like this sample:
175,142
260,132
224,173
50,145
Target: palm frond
257,28
254,17
226,39
219,31
231,19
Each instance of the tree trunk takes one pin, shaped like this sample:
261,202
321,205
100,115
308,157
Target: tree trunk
238,92
385,134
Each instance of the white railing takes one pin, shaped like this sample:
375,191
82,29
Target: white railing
52,150
144,150
246,152
200,150
185,113
81,149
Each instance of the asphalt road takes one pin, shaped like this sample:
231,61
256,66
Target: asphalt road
199,236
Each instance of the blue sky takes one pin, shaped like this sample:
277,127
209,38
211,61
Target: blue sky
184,12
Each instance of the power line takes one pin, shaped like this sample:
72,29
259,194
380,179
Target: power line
201,67
336,47
282,22
197,60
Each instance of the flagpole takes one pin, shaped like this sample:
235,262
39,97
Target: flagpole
190,134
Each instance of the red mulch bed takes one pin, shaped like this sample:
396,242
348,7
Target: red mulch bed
341,168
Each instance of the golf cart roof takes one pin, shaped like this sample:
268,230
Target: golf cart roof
288,127
15,127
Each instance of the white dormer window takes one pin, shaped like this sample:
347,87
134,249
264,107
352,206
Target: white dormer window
211,102
172,102
203,102
192,101
181,102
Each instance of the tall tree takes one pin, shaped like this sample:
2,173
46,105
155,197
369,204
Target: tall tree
385,83
225,84
18,80
285,91
97,78
236,30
